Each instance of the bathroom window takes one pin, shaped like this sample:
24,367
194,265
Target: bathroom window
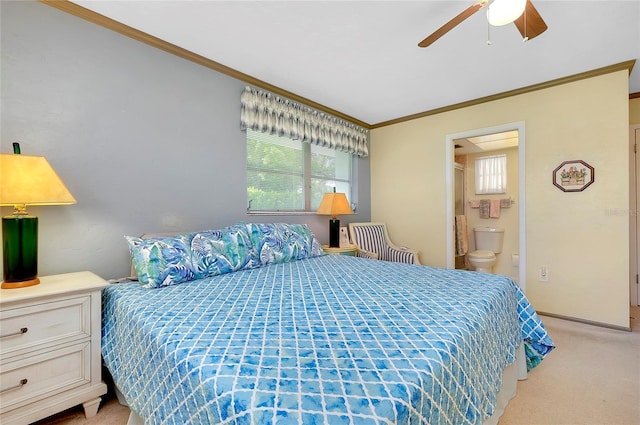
491,174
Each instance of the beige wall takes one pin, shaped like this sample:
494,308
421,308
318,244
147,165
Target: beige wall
583,244
508,216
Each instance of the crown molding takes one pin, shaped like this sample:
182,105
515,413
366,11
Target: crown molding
628,65
96,18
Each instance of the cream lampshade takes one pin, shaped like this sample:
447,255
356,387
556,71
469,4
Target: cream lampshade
334,204
25,180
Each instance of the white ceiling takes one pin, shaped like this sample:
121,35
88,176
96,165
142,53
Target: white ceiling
361,57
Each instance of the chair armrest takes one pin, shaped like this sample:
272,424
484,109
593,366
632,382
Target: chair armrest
363,253
402,254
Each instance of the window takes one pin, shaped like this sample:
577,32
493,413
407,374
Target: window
491,174
291,175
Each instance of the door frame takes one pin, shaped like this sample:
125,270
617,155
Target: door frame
449,180
634,215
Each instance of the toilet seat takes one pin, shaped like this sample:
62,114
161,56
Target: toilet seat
482,255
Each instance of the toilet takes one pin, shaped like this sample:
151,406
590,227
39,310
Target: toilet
488,244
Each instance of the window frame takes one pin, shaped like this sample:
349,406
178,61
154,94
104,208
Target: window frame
307,175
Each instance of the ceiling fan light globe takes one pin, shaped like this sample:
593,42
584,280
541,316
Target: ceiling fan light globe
503,12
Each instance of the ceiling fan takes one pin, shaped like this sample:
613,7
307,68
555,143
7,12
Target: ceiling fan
524,16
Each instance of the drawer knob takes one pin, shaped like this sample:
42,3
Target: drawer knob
20,332
23,382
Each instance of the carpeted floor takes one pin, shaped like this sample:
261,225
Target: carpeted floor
591,378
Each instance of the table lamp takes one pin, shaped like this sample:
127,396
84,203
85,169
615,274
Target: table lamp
334,204
25,180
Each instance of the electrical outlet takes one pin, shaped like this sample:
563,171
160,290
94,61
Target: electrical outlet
544,274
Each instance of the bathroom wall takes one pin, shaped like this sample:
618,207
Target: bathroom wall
508,216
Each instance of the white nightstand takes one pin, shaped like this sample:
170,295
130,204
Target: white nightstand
50,356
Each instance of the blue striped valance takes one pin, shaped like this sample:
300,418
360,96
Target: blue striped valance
268,113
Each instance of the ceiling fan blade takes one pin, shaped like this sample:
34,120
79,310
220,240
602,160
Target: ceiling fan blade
453,23
535,25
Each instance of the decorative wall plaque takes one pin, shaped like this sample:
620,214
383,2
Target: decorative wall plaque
573,176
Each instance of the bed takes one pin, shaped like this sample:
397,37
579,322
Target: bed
254,324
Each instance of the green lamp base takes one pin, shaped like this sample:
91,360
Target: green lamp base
20,251
334,233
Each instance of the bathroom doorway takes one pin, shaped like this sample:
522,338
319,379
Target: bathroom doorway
467,146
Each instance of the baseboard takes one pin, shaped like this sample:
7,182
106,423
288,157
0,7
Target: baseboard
587,322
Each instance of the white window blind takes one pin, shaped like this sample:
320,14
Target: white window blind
491,174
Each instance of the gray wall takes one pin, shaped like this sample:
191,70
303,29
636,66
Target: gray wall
144,140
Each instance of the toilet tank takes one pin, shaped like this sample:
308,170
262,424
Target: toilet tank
489,238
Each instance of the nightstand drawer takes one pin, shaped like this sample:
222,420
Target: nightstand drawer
38,325
34,378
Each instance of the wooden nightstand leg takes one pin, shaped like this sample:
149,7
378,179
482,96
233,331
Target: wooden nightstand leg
91,407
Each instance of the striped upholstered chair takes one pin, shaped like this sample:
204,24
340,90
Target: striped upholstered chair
372,241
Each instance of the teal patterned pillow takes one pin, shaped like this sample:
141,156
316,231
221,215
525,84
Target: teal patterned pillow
221,251
283,242
162,261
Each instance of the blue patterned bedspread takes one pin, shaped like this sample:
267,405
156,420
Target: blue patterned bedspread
325,340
